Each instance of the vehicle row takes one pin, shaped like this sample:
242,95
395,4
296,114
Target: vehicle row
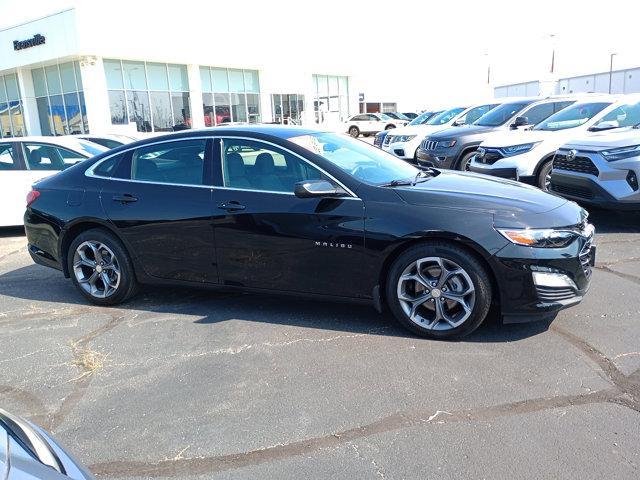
553,143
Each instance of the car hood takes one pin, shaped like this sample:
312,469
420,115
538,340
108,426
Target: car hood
461,131
605,140
512,204
419,129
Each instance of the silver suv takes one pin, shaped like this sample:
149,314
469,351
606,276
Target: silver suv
601,170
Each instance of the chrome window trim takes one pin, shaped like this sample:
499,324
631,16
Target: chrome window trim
348,190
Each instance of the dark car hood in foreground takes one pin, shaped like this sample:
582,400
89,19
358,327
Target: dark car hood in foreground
511,203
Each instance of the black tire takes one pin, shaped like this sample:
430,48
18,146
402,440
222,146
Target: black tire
450,252
354,132
463,164
389,127
365,135
127,286
545,170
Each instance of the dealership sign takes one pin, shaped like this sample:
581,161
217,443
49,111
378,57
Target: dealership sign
36,40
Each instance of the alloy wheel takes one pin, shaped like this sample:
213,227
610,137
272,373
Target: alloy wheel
436,293
96,269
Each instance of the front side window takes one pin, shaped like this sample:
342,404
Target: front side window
7,158
500,115
180,162
476,112
253,165
445,116
42,156
360,160
538,113
572,117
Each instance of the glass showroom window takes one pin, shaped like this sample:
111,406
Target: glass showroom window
154,96
11,118
287,108
331,102
230,95
60,99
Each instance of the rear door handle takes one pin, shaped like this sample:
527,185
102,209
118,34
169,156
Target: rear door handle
231,206
124,198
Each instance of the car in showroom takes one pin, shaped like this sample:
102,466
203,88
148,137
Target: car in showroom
424,117
27,452
404,141
291,210
600,170
454,147
24,160
370,123
527,155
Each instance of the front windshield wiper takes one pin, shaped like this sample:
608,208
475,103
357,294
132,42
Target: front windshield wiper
421,176
637,125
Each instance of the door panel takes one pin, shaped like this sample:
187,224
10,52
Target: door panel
167,225
281,242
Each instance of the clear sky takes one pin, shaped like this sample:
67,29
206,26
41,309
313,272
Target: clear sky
423,52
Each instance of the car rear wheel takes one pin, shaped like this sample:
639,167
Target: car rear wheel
100,268
438,290
354,132
465,161
544,176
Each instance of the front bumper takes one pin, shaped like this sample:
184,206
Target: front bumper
510,173
436,159
403,150
525,298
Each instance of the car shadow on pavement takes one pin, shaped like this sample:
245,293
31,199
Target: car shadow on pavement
41,284
612,221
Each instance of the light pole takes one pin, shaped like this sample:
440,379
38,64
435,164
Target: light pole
611,69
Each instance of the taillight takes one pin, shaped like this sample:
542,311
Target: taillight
32,196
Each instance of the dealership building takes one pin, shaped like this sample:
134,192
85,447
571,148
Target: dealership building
64,73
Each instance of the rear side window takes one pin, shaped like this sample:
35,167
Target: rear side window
7,157
180,162
43,156
538,113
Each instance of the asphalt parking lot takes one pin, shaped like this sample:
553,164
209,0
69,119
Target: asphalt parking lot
192,384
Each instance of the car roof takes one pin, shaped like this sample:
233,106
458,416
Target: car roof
281,131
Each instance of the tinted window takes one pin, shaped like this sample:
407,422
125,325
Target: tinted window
108,167
105,142
624,116
500,115
445,116
360,118
423,118
557,106
42,156
180,162
252,165
573,116
7,158
538,113
475,113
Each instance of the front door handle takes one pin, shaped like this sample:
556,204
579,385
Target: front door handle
231,206
124,198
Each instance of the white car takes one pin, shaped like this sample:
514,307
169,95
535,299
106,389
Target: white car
527,155
404,142
25,160
371,123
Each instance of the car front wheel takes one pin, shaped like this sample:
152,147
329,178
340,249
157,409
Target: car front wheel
438,290
544,176
354,132
100,268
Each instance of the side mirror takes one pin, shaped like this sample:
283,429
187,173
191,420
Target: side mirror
317,188
460,122
608,125
520,122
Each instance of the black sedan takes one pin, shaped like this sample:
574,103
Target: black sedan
307,212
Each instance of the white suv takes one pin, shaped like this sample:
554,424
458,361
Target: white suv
404,142
527,155
371,123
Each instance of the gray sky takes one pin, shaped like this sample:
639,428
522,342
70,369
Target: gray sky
424,50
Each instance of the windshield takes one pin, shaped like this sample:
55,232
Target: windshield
359,159
572,116
445,116
384,116
423,118
500,115
626,115
476,112
393,115
402,116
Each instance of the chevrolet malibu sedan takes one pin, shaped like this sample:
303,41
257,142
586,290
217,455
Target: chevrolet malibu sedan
288,210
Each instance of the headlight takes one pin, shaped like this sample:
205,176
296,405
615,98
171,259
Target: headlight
518,149
403,138
621,153
446,143
541,238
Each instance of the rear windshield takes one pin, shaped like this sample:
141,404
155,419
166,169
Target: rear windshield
500,115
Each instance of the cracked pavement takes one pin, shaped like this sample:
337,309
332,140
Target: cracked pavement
195,384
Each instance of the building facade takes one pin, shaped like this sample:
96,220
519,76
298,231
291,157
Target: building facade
60,75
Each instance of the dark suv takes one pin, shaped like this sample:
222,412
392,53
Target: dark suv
453,148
